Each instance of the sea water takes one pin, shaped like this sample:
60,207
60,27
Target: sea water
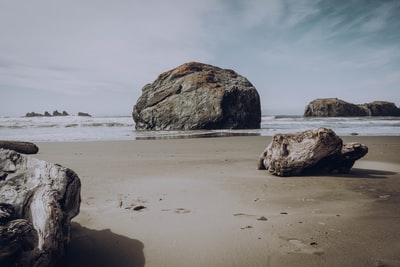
77,128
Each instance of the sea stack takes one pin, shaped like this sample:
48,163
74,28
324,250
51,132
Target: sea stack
198,96
334,107
84,114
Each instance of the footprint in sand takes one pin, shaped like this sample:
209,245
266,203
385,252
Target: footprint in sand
181,210
259,218
243,215
298,246
178,210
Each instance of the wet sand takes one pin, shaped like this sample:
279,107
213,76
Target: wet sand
202,202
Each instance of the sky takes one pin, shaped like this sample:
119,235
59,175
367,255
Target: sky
96,55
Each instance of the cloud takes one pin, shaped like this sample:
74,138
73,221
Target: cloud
379,17
97,41
255,12
291,50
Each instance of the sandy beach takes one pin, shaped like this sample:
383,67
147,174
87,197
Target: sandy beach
202,202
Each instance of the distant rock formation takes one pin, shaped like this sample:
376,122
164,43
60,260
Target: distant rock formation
54,114
334,107
312,151
83,114
198,96
37,202
20,147
381,108
33,114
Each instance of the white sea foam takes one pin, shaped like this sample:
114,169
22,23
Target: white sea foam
75,128
67,128
368,126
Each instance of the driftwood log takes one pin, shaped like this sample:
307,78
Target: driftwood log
37,202
312,151
20,147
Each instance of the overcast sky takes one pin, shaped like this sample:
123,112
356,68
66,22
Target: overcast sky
96,55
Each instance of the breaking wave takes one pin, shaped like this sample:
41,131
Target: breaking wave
75,128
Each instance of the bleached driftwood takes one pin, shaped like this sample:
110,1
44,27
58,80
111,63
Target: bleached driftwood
319,150
37,202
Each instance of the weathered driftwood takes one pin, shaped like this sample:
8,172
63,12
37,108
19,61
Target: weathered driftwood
319,150
20,147
37,202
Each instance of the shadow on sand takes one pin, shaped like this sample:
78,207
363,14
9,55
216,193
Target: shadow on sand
367,173
354,173
91,248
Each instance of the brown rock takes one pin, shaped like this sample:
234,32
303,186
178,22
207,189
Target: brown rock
334,107
381,108
198,96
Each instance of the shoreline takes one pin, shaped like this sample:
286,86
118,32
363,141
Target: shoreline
73,129
206,204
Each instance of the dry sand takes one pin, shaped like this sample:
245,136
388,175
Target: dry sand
206,204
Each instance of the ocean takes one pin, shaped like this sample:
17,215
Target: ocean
108,128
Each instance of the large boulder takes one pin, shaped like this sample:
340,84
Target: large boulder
198,96
313,151
334,107
37,202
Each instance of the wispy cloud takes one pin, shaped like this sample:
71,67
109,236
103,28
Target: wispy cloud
379,17
119,40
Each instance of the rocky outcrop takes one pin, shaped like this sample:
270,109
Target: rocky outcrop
198,96
83,114
20,147
37,202
312,151
47,114
33,114
334,107
56,113
381,108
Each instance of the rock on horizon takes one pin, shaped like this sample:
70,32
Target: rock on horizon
334,107
198,96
